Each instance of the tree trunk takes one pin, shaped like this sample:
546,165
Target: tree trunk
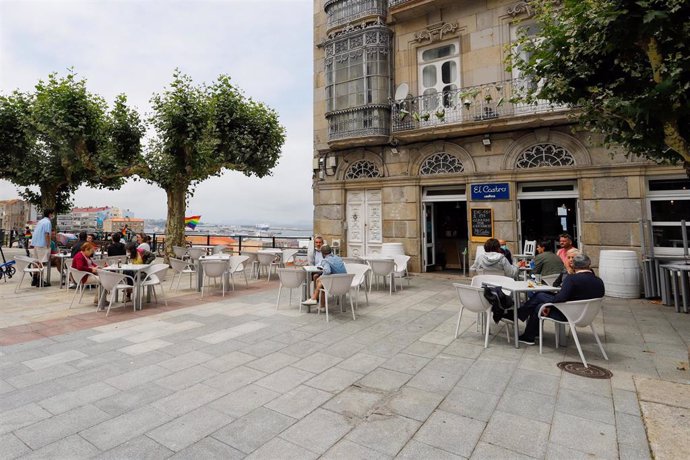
48,201
177,205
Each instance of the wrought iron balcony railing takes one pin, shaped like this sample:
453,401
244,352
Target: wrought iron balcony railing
392,3
340,12
470,104
359,122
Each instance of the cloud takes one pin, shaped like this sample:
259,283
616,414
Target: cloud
132,47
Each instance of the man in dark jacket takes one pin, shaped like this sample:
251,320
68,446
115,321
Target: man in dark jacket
77,245
581,285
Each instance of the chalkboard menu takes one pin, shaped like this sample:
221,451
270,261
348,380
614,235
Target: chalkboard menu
482,226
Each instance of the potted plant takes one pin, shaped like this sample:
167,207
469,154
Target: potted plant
402,114
440,113
424,116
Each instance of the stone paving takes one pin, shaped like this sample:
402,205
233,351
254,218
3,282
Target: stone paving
234,378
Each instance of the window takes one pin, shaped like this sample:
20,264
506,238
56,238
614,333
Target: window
543,155
668,203
441,163
362,169
439,74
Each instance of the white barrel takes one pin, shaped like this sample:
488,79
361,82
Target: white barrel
620,272
392,249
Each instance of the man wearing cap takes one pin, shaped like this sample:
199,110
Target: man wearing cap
331,265
583,284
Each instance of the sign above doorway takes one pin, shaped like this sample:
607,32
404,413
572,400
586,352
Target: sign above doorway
493,191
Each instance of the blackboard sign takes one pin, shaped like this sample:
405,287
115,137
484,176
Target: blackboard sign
482,224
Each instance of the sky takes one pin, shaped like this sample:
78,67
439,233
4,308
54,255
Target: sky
133,47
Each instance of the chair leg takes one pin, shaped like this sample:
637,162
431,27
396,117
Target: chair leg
486,334
325,294
366,296
16,288
352,307
290,297
280,288
541,334
165,299
596,336
457,327
76,291
577,342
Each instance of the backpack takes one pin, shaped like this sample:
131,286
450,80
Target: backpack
500,303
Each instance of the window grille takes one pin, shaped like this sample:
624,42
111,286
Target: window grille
362,169
544,155
341,12
441,163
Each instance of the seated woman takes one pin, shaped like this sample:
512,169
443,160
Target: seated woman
493,261
116,248
138,255
82,262
568,268
144,241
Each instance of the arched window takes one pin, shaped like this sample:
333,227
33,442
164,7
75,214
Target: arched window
441,163
543,155
362,169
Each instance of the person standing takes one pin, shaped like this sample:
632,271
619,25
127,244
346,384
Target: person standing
26,240
41,241
565,241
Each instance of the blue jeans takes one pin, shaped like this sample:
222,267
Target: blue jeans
530,311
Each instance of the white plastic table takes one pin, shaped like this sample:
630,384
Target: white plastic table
137,269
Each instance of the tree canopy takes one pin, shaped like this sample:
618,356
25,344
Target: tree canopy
201,131
625,64
61,136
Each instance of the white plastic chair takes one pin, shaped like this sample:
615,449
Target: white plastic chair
214,268
401,268
180,252
579,313
360,271
337,285
289,256
111,282
196,253
269,261
472,298
218,249
28,265
549,279
78,276
181,267
529,248
252,264
155,276
290,278
101,262
498,280
383,268
236,266
352,260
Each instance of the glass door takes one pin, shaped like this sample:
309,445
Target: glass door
429,231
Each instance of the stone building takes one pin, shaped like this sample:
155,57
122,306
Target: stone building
16,214
420,138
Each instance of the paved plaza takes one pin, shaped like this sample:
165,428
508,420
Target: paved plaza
233,378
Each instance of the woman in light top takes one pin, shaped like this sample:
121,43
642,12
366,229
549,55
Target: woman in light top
493,261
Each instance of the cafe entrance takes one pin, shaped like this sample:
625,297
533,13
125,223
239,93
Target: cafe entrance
547,209
444,230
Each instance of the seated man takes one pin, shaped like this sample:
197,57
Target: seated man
331,265
314,255
546,262
116,248
581,285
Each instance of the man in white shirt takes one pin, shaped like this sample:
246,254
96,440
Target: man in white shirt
315,256
40,239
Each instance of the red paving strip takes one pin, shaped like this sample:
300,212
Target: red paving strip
41,329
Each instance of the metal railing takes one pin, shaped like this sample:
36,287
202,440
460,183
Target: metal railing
392,3
469,104
247,243
341,12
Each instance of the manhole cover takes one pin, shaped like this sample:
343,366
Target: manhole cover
591,372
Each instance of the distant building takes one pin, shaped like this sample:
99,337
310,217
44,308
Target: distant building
89,218
15,214
115,224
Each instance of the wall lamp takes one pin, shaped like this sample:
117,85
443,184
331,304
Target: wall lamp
487,140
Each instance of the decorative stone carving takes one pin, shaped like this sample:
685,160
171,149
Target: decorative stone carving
435,32
544,155
362,169
441,163
520,8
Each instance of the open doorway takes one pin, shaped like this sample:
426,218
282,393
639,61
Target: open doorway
445,229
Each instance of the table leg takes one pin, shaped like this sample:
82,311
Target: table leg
516,305
62,269
199,277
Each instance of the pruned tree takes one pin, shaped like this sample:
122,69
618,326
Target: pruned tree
61,136
624,64
201,131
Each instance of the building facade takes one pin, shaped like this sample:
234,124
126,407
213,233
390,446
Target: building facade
89,219
116,224
16,214
420,138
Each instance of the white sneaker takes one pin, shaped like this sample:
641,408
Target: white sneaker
310,302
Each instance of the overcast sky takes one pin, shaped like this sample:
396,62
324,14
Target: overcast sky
133,46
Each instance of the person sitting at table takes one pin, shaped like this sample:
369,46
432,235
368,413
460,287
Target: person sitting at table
567,268
492,261
82,261
138,255
77,245
143,241
314,254
331,265
583,284
116,247
506,252
565,241
546,262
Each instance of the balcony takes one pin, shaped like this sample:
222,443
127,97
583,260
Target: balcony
341,12
471,108
358,126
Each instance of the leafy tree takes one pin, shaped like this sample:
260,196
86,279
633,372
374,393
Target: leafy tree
201,131
61,136
624,63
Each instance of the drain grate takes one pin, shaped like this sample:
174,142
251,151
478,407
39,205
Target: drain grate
591,372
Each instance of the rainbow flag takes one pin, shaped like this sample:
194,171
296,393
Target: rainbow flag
192,221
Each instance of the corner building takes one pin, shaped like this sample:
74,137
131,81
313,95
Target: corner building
420,138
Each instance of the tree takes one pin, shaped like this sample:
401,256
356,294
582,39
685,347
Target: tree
625,65
61,136
201,131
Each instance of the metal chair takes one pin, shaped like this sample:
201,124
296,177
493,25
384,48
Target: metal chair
181,267
337,286
290,278
28,265
78,276
111,282
237,265
472,298
360,271
155,276
578,313
382,268
214,268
